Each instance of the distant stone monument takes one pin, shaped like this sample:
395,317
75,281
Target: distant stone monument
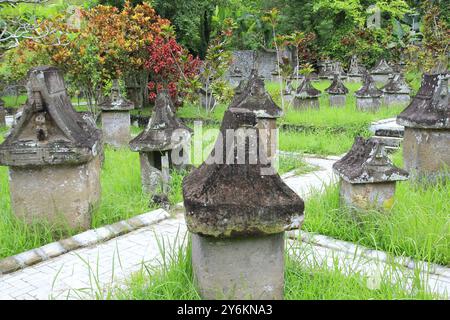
256,99
396,91
337,92
116,118
288,92
236,75
325,69
426,145
2,114
53,156
367,176
355,71
237,217
337,69
368,97
164,137
306,96
381,72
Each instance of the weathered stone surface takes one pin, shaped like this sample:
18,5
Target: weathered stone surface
115,100
158,135
217,198
430,107
64,195
368,97
245,60
49,131
381,72
426,147
116,128
368,104
396,91
387,127
116,118
306,96
165,135
325,69
9,265
241,87
337,87
368,195
366,162
255,98
426,152
337,100
337,69
241,268
355,71
368,176
53,154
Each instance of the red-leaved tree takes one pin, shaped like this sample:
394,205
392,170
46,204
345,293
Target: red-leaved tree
171,67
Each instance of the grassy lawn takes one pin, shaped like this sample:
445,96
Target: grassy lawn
327,131
174,280
122,197
417,225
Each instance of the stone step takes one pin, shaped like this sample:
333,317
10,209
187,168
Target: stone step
387,128
389,142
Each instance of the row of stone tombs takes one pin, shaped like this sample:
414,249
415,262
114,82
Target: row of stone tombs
54,155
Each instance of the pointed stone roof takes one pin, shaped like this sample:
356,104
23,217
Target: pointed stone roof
115,101
158,135
241,87
397,85
355,69
337,87
231,198
369,89
337,68
306,90
367,162
382,67
256,99
49,130
430,107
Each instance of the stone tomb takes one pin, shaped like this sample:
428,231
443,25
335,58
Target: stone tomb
337,92
355,70
426,144
381,72
237,216
367,176
116,118
306,96
256,99
337,69
368,97
53,157
164,137
396,91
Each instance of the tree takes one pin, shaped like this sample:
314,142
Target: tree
108,44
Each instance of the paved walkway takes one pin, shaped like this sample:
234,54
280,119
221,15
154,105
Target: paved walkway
88,272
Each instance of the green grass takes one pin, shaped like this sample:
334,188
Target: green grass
327,131
173,280
417,225
122,198
122,195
